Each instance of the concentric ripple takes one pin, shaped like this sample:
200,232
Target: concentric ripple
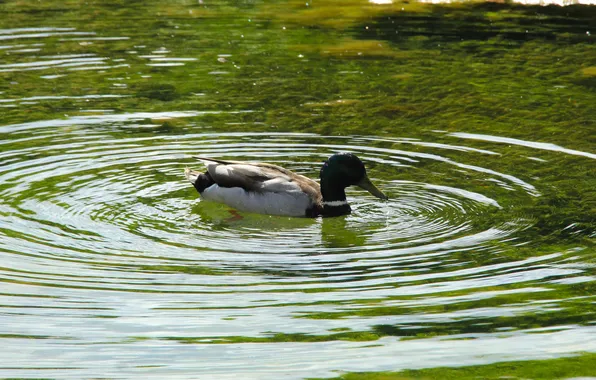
101,231
127,194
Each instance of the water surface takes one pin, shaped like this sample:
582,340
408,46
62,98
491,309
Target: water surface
476,120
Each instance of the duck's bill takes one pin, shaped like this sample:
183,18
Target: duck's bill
371,188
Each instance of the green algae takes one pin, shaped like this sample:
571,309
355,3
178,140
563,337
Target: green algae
589,71
279,338
563,368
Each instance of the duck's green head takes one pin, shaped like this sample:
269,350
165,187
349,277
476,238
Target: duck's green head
345,169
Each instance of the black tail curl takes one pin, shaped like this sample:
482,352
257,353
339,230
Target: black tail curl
203,181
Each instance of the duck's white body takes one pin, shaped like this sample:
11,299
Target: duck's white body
288,203
259,188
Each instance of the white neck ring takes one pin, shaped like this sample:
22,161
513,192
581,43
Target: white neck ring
335,203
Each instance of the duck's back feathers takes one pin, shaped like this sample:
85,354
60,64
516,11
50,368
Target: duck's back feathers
260,177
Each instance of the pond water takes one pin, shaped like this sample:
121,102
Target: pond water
477,120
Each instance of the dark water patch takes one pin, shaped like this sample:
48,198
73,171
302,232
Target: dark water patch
164,92
505,24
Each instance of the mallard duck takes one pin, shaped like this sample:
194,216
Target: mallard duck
270,189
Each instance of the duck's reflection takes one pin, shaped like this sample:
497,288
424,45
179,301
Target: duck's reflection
338,233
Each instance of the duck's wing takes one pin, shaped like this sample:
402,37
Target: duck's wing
261,177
